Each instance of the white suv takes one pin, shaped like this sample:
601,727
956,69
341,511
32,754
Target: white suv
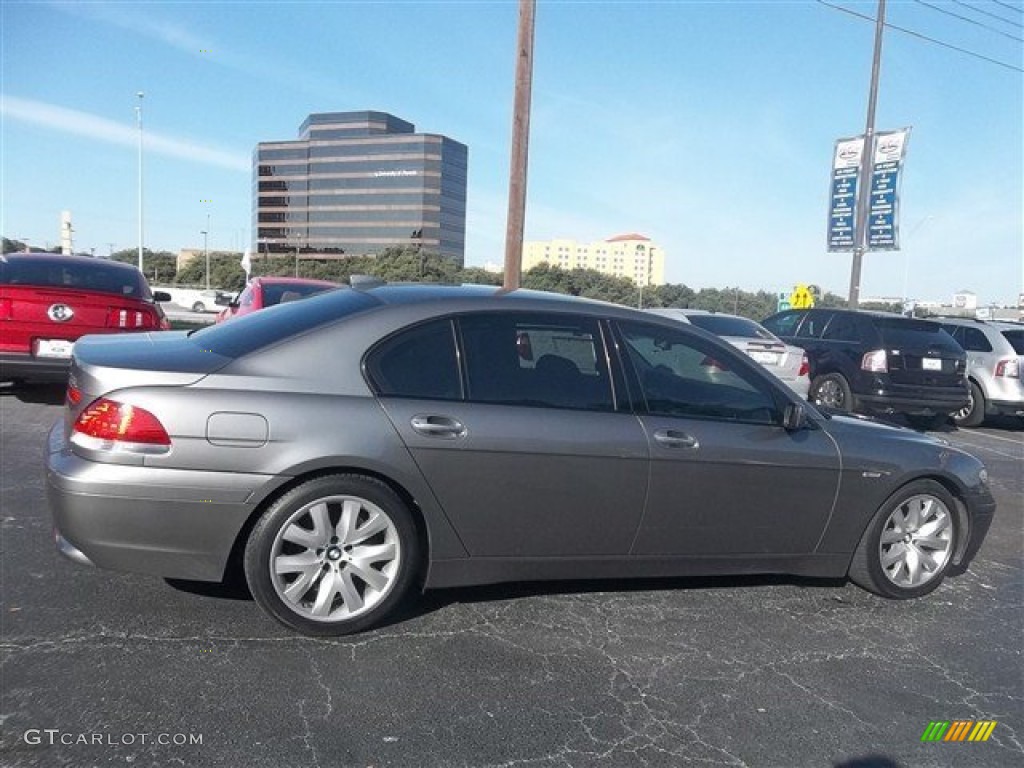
995,361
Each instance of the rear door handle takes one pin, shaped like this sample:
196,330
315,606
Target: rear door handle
438,426
672,438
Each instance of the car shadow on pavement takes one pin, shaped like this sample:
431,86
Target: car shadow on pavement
229,589
49,393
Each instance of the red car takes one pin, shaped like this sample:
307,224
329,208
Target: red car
48,301
263,292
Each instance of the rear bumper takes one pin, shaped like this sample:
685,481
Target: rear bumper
164,522
922,401
1006,407
34,368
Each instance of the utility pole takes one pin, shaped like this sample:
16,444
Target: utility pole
206,251
520,147
866,164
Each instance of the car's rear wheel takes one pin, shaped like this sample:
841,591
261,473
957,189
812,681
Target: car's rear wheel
909,544
199,307
333,555
832,390
972,414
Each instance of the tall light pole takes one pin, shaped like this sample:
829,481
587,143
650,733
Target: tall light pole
138,120
866,164
298,245
206,254
520,147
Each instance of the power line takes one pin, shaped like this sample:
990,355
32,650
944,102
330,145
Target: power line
1007,5
987,13
968,20
912,33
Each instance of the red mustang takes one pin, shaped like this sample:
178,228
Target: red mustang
47,301
263,292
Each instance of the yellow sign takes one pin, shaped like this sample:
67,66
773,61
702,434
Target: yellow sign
801,297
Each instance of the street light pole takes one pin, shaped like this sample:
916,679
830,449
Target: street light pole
138,118
866,164
206,254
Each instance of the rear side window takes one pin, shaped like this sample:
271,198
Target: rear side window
99,276
783,324
419,362
842,328
544,360
975,341
257,330
722,325
814,325
1016,339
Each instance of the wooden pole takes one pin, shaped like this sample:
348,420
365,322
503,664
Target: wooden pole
520,147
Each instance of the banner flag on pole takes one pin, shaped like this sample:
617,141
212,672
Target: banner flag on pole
883,213
842,213
247,263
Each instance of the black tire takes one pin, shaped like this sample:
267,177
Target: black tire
199,307
832,390
886,569
974,414
333,582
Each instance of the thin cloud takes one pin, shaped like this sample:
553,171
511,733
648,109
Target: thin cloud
99,128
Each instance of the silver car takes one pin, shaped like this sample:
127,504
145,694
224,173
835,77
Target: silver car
346,451
995,362
787,362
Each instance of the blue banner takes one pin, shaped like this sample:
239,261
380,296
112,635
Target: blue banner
842,211
883,213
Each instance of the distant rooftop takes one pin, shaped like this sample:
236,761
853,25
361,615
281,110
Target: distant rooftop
625,238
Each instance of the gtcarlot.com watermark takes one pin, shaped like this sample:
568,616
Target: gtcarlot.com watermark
54,736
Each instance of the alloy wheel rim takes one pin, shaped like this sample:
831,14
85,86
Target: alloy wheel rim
829,394
916,541
964,412
335,558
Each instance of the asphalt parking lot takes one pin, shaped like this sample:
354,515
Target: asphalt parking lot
102,668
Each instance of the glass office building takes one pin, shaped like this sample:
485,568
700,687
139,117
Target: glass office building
357,183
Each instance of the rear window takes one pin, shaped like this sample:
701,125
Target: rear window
904,333
723,325
1016,339
242,335
279,293
99,276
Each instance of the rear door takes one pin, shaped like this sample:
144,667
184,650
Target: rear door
522,442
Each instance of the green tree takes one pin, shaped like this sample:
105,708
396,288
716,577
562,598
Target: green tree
158,266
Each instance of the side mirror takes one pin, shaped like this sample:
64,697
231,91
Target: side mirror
794,418
161,296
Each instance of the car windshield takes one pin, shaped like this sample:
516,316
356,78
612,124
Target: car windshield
727,325
1016,339
85,275
261,329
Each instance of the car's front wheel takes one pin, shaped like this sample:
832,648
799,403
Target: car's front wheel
972,414
199,307
333,556
909,544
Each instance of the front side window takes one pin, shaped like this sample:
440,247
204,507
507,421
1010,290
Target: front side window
784,323
556,361
418,362
685,376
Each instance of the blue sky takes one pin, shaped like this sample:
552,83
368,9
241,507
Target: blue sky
707,126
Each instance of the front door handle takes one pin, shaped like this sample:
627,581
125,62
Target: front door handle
438,426
672,438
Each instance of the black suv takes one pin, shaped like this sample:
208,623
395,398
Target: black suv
877,362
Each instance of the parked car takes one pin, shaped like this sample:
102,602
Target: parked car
199,299
48,301
359,445
787,362
263,292
875,362
995,359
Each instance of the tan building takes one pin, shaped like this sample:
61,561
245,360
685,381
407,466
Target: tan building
633,256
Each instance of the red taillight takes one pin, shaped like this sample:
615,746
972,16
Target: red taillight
875,362
132,319
805,367
1010,368
74,395
115,424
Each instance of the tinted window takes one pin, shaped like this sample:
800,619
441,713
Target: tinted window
419,362
103,277
683,376
975,341
814,325
724,325
842,328
1016,339
526,359
904,333
783,324
254,331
